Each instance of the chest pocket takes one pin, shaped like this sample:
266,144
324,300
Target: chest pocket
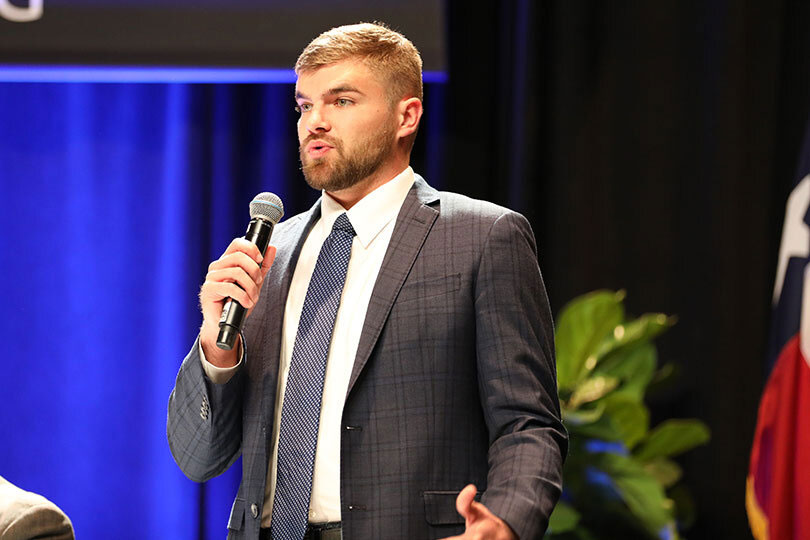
429,288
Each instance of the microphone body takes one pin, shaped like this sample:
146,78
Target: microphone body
258,232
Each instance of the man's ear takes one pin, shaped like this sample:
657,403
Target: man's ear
410,112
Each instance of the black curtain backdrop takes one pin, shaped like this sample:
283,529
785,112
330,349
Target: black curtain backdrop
652,145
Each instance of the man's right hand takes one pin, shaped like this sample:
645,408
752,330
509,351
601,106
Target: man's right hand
237,274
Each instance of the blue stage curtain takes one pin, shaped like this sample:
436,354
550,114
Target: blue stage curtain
114,199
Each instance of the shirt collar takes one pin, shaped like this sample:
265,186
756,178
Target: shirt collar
374,211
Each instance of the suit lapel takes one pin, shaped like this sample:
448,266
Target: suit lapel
413,224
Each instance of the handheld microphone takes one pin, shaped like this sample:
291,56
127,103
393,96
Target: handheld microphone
265,211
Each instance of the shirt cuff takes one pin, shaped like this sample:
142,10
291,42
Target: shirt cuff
220,375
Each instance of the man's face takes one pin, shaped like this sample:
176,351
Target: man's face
347,127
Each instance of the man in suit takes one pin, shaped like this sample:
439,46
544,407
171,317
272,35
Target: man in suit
25,515
438,371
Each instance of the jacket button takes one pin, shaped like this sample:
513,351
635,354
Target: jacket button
254,510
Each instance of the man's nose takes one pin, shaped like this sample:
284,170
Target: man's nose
317,121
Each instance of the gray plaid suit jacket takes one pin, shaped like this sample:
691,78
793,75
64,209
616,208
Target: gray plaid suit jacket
454,381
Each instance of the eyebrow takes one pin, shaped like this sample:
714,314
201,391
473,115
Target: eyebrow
332,91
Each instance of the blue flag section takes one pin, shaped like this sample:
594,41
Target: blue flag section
777,491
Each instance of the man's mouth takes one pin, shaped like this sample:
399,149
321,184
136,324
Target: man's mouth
317,149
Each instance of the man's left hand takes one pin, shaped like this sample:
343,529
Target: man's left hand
481,524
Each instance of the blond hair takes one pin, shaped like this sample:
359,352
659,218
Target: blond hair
384,51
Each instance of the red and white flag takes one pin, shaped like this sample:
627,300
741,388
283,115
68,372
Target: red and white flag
778,484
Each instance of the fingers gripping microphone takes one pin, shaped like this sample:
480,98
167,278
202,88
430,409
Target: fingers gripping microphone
265,211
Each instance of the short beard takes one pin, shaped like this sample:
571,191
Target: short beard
346,170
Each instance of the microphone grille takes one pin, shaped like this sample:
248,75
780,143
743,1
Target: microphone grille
267,206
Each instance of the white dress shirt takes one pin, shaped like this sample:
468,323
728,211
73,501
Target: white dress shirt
373,219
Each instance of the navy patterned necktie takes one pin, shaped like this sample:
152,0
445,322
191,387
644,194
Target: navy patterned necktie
301,411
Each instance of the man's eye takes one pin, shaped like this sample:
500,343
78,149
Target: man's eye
304,107
343,102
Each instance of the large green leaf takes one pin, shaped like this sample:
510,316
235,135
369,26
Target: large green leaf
591,389
671,438
666,471
630,418
615,417
634,366
581,327
641,492
579,417
563,519
634,332
602,428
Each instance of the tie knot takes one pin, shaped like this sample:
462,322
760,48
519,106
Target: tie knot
342,224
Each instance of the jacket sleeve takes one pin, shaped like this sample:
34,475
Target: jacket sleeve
28,515
517,378
204,424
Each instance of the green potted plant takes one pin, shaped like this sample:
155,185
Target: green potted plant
619,480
